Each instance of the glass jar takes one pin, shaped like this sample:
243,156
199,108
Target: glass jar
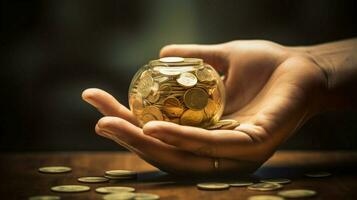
184,91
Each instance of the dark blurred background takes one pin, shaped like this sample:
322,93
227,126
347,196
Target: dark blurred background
52,50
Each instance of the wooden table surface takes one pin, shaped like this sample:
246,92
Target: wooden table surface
20,178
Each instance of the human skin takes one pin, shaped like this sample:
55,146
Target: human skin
271,89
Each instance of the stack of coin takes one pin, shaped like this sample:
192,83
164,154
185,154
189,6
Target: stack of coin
184,91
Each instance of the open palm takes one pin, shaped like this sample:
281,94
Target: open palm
270,89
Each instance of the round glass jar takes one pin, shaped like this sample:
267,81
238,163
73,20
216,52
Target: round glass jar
184,91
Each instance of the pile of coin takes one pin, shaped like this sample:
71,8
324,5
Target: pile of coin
184,91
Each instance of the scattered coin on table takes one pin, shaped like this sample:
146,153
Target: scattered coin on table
240,183
122,192
265,186
92,179
70,188
45,197
297,193
265,197
212,186
54,169
119,196
146,196
120,172
114,189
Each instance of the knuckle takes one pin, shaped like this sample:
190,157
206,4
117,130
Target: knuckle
109,122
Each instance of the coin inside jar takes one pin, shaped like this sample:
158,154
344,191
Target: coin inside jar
172,107
185,91
187,79
196,98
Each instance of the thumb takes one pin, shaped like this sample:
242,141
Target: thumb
215,55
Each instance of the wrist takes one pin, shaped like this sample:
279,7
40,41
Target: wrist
338,65
317,91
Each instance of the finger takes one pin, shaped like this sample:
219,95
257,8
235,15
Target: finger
215,55
107,104
219,143
160,154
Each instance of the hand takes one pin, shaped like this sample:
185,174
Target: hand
271,90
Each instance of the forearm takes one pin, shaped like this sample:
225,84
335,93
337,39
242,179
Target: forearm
338,60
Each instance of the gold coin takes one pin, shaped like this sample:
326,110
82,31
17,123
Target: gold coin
173,71
161,79
171,59
145,85
240,183
93,179
210,108
54,169
180,92
205,75
193,61
297,193
154,97
265,197
121,172
147,117
318,174
195,98
119,196
70,188
224,122
216,95
145,73
152,113
146,196
187,79
45,197
187,61
213,186
214,126
276,180
191,117
175,120
136,104
167,119
165,88
265,186
229,124
172,107
114,189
